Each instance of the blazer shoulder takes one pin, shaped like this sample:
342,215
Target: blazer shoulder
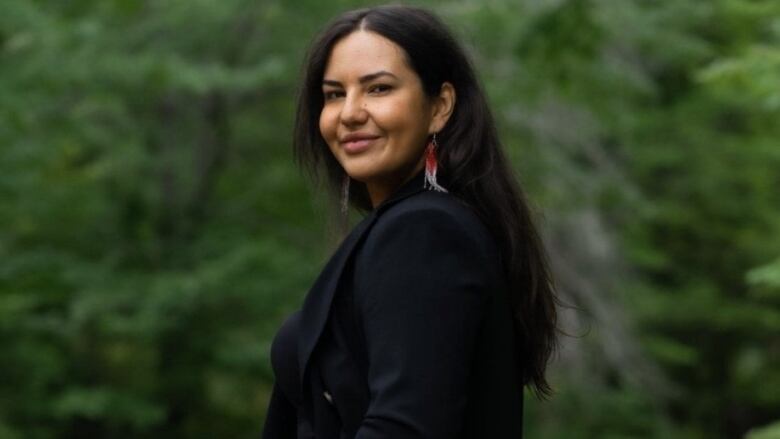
436,213
436,205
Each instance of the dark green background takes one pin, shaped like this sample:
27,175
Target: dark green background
154,232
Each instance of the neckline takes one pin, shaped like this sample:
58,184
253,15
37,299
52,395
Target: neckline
411,187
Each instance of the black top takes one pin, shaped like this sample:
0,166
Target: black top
407,332
334,352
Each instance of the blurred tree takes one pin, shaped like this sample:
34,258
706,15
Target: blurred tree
153,228
154,232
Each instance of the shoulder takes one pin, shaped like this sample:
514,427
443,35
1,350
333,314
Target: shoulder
430,205
431,218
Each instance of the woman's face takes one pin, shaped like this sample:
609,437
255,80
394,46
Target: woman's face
376,117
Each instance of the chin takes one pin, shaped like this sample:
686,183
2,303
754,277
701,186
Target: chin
362,172
361,175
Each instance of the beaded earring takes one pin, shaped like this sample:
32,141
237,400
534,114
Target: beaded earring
431,166
345,194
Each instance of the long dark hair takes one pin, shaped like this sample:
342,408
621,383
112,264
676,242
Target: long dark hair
472,165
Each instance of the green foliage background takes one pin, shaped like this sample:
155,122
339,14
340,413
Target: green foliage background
154,232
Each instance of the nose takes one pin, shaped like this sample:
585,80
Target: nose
353,111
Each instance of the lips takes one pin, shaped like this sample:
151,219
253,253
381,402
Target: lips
354,144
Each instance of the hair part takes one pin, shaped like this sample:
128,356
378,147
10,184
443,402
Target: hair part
472,164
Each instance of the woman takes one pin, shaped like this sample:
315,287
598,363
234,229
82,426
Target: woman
437,308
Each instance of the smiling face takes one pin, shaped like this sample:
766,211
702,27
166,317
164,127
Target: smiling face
376,117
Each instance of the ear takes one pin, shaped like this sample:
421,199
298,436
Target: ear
443,105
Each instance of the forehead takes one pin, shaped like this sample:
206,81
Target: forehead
364,52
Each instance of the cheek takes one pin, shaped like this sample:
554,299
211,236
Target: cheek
406,120
327,125
329,130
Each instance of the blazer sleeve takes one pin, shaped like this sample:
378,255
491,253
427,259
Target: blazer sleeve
423,280
281,418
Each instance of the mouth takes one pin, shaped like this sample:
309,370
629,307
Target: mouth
354,146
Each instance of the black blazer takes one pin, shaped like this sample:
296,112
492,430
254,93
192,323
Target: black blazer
406,333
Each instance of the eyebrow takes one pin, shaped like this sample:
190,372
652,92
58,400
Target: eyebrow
363,79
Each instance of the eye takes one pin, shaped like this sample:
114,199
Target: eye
380,88
332,94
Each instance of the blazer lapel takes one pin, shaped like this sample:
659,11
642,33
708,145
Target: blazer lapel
316,306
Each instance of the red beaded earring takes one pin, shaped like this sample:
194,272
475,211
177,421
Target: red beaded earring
431,166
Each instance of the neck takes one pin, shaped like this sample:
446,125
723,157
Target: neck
379,191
